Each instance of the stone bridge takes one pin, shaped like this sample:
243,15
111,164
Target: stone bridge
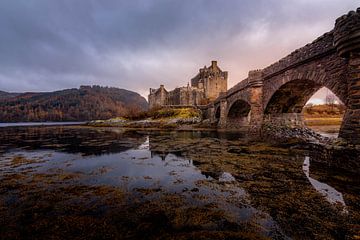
278,92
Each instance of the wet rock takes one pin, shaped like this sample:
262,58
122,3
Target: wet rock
193,120
226,177
287,134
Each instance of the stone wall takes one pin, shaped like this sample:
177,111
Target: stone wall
347,42
157,97
176,97
185,96
284,119
212,79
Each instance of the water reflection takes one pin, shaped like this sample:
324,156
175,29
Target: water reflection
69,139
331,194
31,124
330,131
250,183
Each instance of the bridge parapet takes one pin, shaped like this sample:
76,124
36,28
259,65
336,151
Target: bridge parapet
255,78
347,33
241,85
222,95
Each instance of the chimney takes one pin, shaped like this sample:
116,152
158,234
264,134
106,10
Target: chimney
213,64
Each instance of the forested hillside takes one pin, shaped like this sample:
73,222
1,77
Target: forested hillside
86,103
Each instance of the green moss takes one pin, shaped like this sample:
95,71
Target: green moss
118,119
166,113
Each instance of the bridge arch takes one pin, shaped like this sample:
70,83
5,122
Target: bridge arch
291,92
238,114
288,92
239,108
291,97
217,113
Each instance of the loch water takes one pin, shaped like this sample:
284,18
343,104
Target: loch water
74,182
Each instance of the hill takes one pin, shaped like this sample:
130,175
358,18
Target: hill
4,95
85,103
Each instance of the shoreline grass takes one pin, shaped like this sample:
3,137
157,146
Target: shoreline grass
323,121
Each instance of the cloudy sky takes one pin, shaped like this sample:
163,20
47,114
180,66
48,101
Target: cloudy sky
47,45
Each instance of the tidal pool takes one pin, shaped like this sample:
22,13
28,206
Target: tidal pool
330,131
63,182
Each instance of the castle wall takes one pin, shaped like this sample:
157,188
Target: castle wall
174,97
186,96
198,96
214,86
212,80
157,97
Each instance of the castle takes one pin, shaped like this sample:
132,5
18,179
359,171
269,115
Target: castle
206,86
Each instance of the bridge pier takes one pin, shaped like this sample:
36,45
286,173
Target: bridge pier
347,43
223,113
256,97
211,114
350,129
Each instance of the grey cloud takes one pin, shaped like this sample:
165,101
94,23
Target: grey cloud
49,44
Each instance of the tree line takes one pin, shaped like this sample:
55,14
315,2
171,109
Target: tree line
86,103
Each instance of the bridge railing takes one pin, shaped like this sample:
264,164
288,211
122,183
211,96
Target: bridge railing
239,86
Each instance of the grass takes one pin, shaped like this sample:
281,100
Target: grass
322,121
323,115
118,119
320,111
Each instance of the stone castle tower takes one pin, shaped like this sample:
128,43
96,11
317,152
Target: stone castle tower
206,86
212,80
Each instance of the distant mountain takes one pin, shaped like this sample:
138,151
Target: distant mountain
7,95
86,103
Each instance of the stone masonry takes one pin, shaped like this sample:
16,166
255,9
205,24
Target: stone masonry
206,86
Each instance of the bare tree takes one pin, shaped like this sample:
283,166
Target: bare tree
330,99
309,108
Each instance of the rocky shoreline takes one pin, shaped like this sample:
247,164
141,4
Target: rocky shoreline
281,134
334,152
170,123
